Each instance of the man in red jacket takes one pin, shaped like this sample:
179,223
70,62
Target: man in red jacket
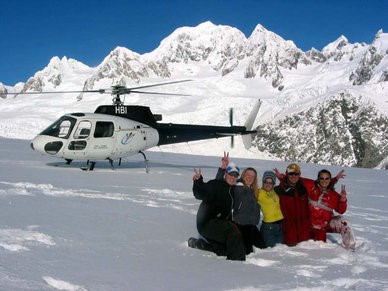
293,200
323,201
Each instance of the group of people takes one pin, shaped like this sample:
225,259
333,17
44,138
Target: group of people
296,210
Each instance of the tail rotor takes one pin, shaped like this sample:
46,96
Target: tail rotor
231,124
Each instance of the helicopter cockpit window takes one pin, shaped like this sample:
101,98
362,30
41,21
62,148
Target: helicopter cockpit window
103,129
83,130
60,128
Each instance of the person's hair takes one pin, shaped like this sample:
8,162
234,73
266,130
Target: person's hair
255,184
324,171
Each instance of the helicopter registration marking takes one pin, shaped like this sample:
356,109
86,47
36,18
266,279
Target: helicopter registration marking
100,147
121,110
127,138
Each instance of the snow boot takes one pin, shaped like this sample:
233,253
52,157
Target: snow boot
197,243
348,240
339,225
192,242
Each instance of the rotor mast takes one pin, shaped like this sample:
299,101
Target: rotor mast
118,90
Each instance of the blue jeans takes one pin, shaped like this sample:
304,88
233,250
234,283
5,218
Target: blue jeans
272,233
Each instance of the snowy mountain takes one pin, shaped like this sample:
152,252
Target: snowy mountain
328,106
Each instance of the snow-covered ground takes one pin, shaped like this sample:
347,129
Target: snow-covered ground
66,229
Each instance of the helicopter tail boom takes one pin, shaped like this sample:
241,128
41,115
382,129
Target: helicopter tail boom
176,133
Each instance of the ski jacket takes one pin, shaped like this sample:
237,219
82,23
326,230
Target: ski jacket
217,200
246,210
322,204
270,205
295,209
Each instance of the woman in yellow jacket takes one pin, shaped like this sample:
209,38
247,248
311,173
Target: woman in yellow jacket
271,227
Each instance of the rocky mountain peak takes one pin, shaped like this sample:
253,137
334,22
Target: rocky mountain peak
336,45
214,44
122,66
261,35
268,53
372,67
380,42
338,48
53,74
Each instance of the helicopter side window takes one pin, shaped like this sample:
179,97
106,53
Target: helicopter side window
83,130
60,128
77,145
103,129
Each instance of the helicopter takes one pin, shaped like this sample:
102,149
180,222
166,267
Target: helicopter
116,131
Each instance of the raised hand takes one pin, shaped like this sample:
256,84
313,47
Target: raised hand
197,174
343,193
225,160
277,173
341,174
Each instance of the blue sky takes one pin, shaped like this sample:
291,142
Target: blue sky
32,32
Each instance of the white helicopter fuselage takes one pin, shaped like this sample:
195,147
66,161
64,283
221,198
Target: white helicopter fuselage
117,131
93,136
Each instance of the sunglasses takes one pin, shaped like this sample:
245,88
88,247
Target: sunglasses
324,179
233,175
293,174
269,183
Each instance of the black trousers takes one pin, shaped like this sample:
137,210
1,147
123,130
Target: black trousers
252,237
224,238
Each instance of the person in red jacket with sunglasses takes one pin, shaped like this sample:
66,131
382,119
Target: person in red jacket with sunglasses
323,202
293,200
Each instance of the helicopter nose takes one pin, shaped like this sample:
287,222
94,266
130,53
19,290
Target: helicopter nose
46,145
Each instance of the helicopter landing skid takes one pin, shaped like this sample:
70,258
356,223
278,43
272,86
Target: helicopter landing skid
90,168
111,163
145,161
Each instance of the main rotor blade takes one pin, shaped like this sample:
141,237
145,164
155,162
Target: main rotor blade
158,93
101,91
122,90
158,84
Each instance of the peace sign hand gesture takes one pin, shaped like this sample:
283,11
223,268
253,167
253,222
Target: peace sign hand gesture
197,174
225,160
277,173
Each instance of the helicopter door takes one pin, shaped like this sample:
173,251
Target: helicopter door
101,146
79,141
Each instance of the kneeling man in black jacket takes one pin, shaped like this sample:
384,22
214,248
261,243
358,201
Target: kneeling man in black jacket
214,218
